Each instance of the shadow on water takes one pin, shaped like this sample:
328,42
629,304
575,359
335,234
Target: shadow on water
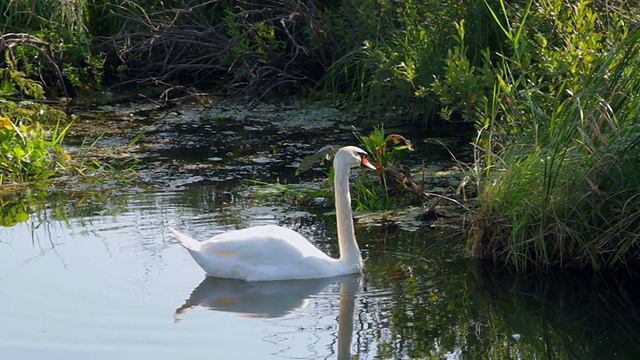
575,315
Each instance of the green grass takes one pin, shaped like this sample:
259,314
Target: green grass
32,151
558,160
29,152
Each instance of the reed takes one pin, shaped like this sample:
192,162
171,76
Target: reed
558,161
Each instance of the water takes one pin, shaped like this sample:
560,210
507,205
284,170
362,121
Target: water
107,282
110,284
93,274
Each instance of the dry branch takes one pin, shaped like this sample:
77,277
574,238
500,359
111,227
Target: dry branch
187,46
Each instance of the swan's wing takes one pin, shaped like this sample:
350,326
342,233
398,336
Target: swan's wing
264,244
260,253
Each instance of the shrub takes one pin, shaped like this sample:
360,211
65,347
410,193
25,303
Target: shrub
388,61
27,151
48,41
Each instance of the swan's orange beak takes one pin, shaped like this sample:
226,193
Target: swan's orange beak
366,163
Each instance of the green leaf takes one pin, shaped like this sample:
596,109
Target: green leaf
325,153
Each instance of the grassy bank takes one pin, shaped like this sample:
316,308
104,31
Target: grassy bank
566,192
557,155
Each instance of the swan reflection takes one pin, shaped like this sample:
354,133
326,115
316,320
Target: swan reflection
273,299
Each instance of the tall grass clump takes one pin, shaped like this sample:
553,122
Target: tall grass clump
558,150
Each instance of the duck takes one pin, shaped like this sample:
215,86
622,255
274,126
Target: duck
271,252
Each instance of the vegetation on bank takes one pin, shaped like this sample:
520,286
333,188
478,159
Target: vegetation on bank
46,59
550,87
558,149
27,151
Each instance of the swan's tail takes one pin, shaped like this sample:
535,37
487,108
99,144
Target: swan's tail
188,242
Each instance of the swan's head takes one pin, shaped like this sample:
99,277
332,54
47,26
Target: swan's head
352,156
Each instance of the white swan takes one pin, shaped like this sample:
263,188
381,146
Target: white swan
275,253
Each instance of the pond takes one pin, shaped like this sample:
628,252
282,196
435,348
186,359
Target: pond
93,274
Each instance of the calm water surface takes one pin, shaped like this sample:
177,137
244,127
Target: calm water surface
109,283
96,276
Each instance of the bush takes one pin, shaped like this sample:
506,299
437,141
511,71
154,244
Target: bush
27,151
48,41
253,48
391,52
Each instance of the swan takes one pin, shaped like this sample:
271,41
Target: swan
270,252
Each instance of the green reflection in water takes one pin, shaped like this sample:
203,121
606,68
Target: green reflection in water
46,205
437,304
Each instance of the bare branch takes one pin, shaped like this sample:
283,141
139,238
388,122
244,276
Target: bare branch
252,48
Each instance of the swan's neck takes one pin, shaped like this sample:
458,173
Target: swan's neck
349,250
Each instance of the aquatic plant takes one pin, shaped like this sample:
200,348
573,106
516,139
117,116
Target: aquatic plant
289,193
394,187
382,147
391,188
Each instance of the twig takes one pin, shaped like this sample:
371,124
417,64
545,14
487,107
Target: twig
11,40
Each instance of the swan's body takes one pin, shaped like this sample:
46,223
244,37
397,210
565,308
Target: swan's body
276,253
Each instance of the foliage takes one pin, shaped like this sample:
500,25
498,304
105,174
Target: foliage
377,145
390,188
549,85
48,41
32,151
28,152
557,151
45,51
392,51
255,47
463,88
